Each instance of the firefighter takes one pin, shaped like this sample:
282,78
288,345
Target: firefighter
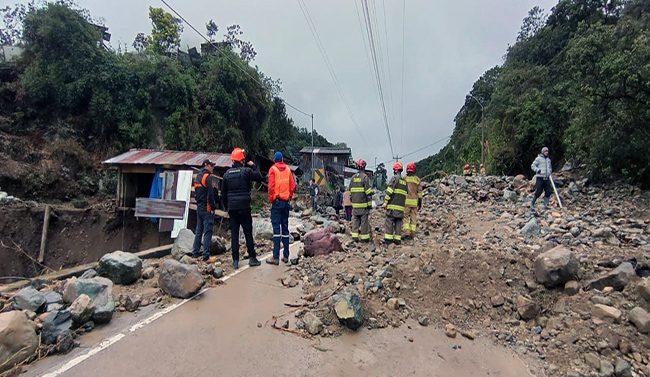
413,202
466,171
482,169
474,170
395,204
361,197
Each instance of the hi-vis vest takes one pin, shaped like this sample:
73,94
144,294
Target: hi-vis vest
414,190
360,192
282,183
201,189
396,196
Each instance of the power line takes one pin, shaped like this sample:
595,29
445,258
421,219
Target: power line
218,49
390,78
328,63
421,149
373,50
401,115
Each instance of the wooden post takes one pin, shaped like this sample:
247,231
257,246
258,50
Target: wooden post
46,224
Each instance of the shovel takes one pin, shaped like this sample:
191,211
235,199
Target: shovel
555,190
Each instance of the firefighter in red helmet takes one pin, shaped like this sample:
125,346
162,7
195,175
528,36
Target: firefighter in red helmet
466,171
395,204
413,201
482,169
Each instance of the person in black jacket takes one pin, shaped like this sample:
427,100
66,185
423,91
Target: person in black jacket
236,194
338,200
205,207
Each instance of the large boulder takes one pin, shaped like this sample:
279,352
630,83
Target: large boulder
179,280
100,291
183,244
556,267
617,278
29,299
57,329
641,319
18,339
82,309
262,230
321,242
349,310
120,267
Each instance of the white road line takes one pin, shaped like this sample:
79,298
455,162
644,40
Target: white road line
116,338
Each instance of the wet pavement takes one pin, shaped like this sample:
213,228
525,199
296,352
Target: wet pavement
217,334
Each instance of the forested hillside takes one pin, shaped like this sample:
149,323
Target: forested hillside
578,81
68,85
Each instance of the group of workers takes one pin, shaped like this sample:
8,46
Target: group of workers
469,172
403,198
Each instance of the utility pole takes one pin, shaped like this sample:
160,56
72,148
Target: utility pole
313,174
482,129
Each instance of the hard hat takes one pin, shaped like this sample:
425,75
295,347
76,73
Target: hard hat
238,155
473,166
466,166
361,163
410,167
398,166
482,165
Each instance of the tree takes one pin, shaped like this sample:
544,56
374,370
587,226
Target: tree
212,29
165,33
246,50
533,23
12,20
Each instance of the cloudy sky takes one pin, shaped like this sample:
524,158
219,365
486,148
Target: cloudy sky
448,45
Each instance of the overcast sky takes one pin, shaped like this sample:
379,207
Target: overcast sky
449,45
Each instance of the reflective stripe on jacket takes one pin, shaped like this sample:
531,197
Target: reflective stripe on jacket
396,194
281,182
360,192
414,190
203,191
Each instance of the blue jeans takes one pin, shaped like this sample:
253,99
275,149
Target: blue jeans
204,230
280,221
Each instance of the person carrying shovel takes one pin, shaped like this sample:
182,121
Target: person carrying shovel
543,171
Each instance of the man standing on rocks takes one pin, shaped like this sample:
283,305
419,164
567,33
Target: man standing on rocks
395,203
543,170
236,193
361,198
282,186
313,192
205,207
413,201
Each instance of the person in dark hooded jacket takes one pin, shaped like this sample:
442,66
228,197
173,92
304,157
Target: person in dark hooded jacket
236,194
543,170
205,207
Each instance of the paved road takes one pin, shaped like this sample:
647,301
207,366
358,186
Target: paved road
217,335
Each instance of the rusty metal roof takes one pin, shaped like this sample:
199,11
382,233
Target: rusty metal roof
174,158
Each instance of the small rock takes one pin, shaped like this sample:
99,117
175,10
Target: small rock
623,368
644,289
285,325
186,259
393,303
571,288
313,324
641,319
120,267
592,360
310,297
424,321
295,260
468,334
532,227
183,244
218,273
89,274
617,279
132,304
606,313
497,301
527,308
149,273
606,368
450,330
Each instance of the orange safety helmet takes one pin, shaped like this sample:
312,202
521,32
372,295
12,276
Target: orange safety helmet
410,167
238,155
398,166
466,166
361,163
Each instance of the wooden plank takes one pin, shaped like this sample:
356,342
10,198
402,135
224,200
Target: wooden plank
46,224
159,208
169,193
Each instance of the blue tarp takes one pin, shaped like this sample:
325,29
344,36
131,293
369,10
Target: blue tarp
156,189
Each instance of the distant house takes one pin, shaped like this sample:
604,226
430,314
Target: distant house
330,164
212,48
10,53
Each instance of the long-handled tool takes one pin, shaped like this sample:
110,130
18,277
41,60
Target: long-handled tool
555,190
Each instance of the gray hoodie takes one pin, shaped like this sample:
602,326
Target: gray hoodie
542,165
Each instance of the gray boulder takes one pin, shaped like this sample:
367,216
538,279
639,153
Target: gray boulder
510,195
30,299
82,309
349,310
617,279
183,244
644,289
218,245
556,267
100,291
313,324
532,227
641,319
321,242
179,280
120,267
54,301
18,339
57,329
89,274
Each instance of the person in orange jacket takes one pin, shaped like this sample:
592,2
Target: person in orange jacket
282,186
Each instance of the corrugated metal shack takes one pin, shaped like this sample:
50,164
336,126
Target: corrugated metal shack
327,161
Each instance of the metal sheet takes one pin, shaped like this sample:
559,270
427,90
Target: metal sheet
172,158
160,208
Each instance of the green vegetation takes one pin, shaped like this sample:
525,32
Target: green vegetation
70,86
577,81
